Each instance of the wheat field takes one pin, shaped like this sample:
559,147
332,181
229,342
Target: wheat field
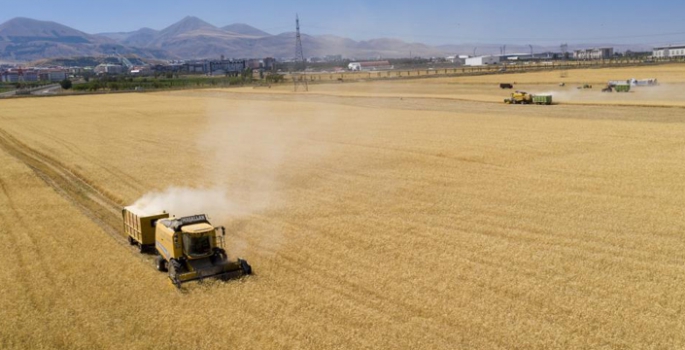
377,215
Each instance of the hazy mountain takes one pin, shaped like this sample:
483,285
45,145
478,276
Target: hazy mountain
24,39
140,37
191,38
245,29
25,29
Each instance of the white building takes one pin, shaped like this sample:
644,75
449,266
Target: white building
481,60
370,65
109,69
670,51
601,53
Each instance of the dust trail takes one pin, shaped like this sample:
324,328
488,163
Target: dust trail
251,155
184,201
566,95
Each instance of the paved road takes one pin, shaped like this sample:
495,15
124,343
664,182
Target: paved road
46,90
42,90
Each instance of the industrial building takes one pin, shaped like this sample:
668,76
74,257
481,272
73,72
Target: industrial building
23,75
594,54
226,67
370,65
53,75
669,51
482,60
10,76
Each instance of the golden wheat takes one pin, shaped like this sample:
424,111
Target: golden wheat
389,221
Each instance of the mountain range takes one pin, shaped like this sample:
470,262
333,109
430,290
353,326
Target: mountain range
25,39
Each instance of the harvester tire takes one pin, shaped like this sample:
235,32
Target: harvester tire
160,263
247,269
131,241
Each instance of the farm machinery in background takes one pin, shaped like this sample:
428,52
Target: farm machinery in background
524,98
618,87
188,248
626,85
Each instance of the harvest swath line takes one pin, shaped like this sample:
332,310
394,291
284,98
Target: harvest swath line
96,206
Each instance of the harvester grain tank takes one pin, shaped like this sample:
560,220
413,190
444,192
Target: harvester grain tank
622,88
188,248
542,99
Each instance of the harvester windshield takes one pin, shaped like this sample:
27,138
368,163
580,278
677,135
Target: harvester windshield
197,246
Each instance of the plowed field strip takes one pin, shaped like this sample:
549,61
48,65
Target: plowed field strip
99,208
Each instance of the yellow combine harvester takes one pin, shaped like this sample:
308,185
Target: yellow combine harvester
522,97
189,248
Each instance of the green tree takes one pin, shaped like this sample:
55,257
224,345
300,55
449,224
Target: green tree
65,84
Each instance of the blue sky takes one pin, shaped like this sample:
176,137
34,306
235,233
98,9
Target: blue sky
547,22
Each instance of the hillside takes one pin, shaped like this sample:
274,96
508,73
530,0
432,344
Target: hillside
24,39
245,29
189,38
193,38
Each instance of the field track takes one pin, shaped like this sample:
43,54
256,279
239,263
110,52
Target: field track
101,209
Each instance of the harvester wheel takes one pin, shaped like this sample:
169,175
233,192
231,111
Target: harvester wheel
131,241
161,264
174,267
247,269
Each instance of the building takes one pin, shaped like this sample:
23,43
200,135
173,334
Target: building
107,68
481,60
370,65
140,70
29,76
254,63
56,75
594,54
669,51
269,63
196,67
531,57
226,67
10,76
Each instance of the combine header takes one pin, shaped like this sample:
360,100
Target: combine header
188,248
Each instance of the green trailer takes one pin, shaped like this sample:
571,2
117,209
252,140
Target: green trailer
542,99
622,88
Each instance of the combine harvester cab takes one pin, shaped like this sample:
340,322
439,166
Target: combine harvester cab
519,97
189,248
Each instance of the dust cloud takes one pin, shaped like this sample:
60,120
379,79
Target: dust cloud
251,155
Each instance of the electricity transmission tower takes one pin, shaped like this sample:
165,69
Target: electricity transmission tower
300,63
